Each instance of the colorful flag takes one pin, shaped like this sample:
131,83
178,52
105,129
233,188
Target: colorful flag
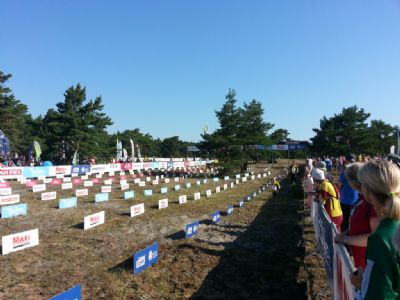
133,149
38,150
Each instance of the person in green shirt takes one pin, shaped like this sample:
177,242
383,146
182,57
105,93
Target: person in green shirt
380,185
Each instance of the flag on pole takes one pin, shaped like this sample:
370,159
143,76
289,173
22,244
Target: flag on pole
133,149
75,158
138,152
38,150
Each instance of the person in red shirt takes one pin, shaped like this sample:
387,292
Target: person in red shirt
363,221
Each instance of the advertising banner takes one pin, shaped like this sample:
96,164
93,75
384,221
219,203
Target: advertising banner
137,210
20,241
145,258
192,229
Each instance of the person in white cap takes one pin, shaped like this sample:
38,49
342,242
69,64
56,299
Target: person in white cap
329,196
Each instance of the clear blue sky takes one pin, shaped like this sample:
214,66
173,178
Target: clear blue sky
165,66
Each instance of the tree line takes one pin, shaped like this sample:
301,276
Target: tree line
79,123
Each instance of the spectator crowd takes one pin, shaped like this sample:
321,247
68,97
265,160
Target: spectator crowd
364,205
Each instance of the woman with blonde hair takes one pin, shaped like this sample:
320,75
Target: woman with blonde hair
363,220
380,185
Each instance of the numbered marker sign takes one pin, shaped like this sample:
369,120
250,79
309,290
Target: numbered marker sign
93,220
74,293
102,197
208,193
82,192
12,211
148,192
225,186
248,198
198,182
217,189
67,203
49,196
232,184
66,186
196,196
106,189
163,203
182,199
129,195
9,199
20,241
145,258
192,229
244,179
166,180
188,185
216,216
39,188
240,203
137,210
177,187
229,210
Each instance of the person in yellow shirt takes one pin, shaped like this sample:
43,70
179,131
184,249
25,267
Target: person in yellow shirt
276,186
329,196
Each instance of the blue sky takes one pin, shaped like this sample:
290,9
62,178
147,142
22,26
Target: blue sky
166,66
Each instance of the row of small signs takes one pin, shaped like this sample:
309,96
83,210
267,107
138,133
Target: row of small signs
148,256
22,240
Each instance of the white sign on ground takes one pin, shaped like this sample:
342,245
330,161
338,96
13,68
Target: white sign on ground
66,186
124,187
93,220
5,191
67,179
197,196
108,182
39,188
166,180
225,186
88,183
9,199
217,189
137,209
81,192
49,196
182,199
106,189
208,193
163,203
142,183
20,241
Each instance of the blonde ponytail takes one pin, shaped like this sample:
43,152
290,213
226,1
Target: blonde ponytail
382,179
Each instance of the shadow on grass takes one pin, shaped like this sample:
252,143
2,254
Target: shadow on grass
264,261
179,235
126,265
78,226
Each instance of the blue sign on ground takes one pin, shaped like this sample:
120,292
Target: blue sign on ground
192,229
11,211
164,190
177,187
226,178
215,179
129,195
237,176
67,202
80,169
216,216
74,293
101,197
240,203
188,185
145,258
148,192
229,210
